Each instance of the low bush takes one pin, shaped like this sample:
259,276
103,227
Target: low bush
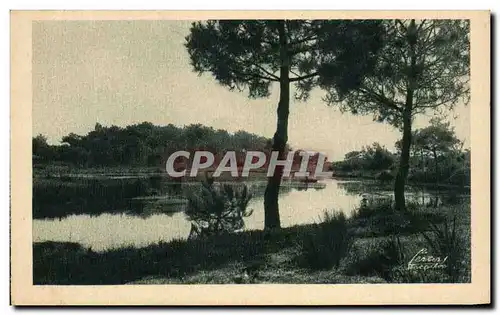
373,208
380,219
444,240
328,243
380,260
218,209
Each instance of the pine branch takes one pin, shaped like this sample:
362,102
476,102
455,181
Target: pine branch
307,76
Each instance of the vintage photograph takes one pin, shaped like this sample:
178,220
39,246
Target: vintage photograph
251,151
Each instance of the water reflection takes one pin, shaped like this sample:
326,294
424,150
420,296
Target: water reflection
108,231
428,196
154,218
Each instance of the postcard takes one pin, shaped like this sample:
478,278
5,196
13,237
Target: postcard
250,157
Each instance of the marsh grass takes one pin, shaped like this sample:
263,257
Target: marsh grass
328,244
444,231
379,258
444,240
380,219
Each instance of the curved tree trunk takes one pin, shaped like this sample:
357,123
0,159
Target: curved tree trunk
271,208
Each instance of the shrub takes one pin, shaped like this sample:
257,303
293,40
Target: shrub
218,209
445,242
420,218
385,176
375,207
380,260
379,218
328,243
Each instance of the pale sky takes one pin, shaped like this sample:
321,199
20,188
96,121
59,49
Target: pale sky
126,72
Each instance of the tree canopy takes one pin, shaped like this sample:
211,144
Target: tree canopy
246,53
439,143
423,65
430,58
437,138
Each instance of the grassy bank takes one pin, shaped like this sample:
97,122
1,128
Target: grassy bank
374,246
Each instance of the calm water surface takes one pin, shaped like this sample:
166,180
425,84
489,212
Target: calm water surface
298,205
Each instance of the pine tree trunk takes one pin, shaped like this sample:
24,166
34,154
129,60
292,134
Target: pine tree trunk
271,208
404,165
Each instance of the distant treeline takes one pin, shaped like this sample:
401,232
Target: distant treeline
428,165
141,144
369,158
436,156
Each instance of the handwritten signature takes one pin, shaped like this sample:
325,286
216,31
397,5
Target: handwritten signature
423,261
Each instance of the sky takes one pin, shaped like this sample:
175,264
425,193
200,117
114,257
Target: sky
127,72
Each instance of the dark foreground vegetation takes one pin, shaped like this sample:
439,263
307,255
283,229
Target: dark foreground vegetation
375,245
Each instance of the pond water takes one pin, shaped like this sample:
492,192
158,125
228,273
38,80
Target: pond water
160,218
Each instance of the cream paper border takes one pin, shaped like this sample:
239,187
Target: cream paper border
23,292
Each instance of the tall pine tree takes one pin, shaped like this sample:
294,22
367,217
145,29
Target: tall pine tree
250,55
422,67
